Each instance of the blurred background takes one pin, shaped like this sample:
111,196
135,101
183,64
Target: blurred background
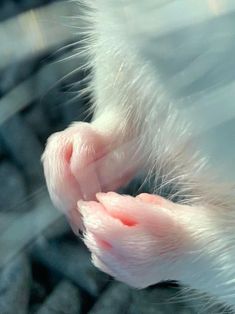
45,269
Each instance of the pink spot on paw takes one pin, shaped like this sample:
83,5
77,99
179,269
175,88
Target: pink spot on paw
102,243
125,220
68,152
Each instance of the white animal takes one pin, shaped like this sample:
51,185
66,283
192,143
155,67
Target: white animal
150,60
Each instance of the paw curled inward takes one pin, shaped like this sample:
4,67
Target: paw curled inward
79,162
131,238
69,166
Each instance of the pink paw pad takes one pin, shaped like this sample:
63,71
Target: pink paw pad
128,235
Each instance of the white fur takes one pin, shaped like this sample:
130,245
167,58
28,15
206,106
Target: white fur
136,100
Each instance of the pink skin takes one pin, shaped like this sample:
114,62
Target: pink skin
125,235
79,162
130,238
147,239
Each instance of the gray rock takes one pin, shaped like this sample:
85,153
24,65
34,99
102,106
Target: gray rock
14,184
23,146
115,300
72,261
15,280
65,299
